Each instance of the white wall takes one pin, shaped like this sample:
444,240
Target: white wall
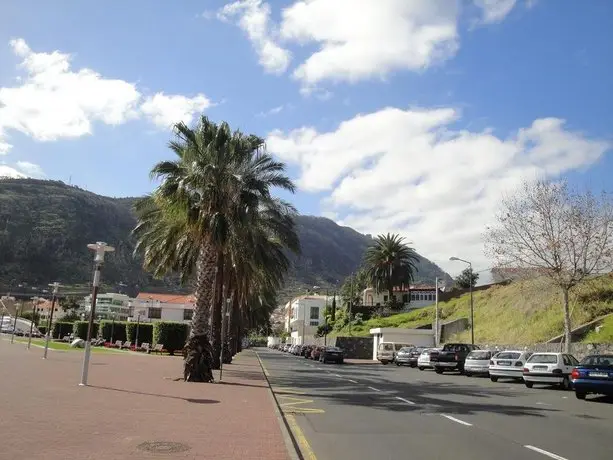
419,299
170,311
417,337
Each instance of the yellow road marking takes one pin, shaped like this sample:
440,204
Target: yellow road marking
304,445
284,390
291,403
266,373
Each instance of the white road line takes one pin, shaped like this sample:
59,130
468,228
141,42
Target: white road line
352,381
337,375
374,389
544,452
457,420
405,400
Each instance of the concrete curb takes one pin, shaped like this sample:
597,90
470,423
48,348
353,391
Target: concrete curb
291,444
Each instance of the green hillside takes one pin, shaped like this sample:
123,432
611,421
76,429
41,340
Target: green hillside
521,312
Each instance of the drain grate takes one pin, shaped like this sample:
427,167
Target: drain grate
163,447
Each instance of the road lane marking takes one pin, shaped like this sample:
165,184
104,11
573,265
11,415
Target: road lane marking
405,400
457,420
291,406
305,447
352,381
266,373
374,389
337,375
544,452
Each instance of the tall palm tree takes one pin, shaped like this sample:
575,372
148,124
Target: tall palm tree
390,263
209,195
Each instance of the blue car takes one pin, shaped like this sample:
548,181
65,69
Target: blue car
594,374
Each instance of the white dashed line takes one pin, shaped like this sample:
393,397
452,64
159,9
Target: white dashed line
457,420
544,452
374,389
405,400
352,381
337,375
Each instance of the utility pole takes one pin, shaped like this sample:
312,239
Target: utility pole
100,249
436,325
18,306
326,321
34,299
350,300
56,287
472,315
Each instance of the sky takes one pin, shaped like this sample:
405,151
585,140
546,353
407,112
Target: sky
403,116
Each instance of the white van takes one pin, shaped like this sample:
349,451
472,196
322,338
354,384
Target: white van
386,353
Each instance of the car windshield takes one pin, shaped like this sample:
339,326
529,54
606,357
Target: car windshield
386,347
544,359
598,360
405,350
333,349
508,355
479,355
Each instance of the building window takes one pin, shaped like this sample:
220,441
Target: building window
155,313
314,313
385,298
314,323
405,298
187,314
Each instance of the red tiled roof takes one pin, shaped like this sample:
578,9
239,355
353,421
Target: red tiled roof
166,298
417,287
44,304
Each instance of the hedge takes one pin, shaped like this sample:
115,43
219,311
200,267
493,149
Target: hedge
119,330
42,329
80,329
61,329
171,334
145,332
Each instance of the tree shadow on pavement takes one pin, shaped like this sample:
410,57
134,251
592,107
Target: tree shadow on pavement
191,400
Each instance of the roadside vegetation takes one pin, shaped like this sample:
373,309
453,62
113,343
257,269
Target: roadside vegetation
526,311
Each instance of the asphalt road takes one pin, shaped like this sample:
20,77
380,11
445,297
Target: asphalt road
381,412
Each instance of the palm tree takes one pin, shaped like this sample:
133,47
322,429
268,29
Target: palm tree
209,195
390,263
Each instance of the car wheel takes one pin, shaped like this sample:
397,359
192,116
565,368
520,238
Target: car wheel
565,385
493,378
580,395
420,368
384,362
438,371
468,374
529,384
397,364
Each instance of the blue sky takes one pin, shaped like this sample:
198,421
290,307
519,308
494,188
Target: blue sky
393,115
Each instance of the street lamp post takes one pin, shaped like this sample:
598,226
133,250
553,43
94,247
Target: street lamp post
472,316
100,250
48,332
137,327
437,337
326,321
18,307
34,299
112,327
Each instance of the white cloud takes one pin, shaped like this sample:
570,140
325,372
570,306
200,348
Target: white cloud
253,16
493,11
409,171
370,38
21,170
53,101
164,111
273,111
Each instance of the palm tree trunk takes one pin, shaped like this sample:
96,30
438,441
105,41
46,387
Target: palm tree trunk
233,324
216,311
197,351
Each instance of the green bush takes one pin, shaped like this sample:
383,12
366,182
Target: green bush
80,329
42,329
172,335
61,329
118,331
145,332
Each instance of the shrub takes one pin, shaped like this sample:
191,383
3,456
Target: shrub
61,329
118,331
42,329
80,329
171,334
145,332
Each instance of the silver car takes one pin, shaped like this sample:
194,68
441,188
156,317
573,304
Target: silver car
478,362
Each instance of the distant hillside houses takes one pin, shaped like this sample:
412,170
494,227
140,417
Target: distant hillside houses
417,296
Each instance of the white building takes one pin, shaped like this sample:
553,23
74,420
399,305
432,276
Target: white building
416,337
109,305
150,307
419,295
306,314
43,308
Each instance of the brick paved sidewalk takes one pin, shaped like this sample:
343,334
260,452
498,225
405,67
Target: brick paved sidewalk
132,399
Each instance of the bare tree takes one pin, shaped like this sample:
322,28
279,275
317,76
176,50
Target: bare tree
545,229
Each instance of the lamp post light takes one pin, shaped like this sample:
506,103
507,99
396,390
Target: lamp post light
100,249
225,316
18,306
48,332
472,316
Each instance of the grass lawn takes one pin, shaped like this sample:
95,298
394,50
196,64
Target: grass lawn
66,346
521,312
605,335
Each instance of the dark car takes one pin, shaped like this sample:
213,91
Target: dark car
333,354
306,351
594,374
451,357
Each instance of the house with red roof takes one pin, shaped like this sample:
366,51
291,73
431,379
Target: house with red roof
151,307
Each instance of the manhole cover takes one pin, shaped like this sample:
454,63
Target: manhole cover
163,447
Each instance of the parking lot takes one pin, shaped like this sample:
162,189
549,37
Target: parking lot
373,411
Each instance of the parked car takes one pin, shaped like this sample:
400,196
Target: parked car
508,364
423,362
593,375
306,351
478,362
386,351
404,356
315,353
297,349
549,368
451,357
333,354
